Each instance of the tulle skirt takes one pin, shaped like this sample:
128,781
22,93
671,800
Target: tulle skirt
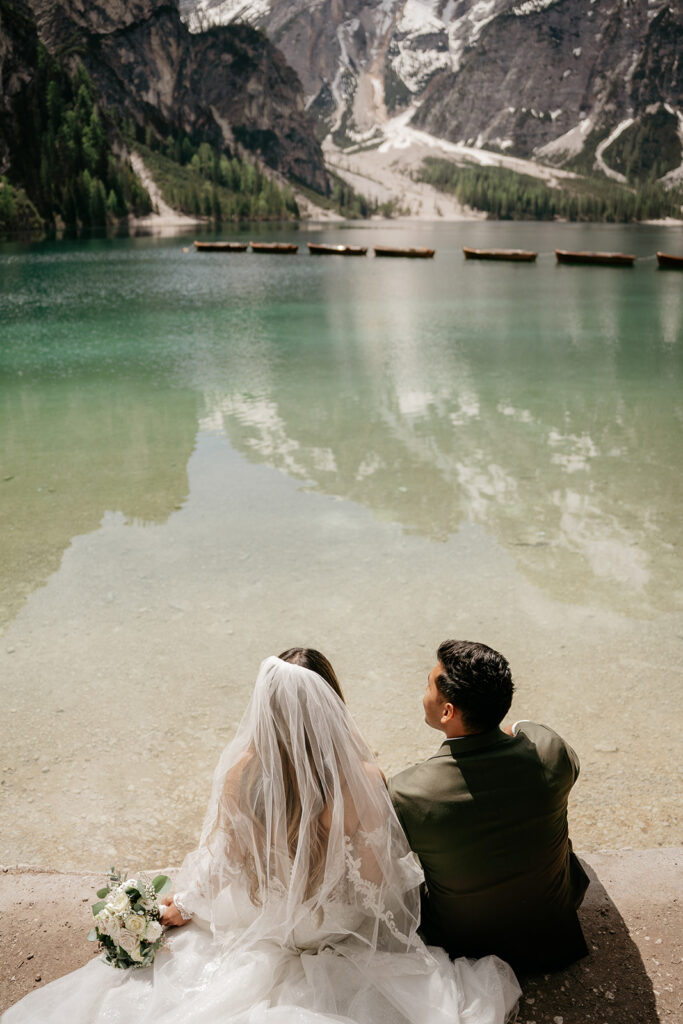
197,981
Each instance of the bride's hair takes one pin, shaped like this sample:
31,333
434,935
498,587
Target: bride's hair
308,657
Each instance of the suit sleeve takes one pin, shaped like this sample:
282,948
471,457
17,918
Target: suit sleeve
395,797
555,752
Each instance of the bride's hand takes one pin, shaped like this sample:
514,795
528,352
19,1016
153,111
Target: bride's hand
172,916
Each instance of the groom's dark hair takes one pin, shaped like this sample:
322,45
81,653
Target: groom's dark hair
477,681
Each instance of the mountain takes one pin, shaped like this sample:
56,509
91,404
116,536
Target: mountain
556,80
18,61
570,73
229,86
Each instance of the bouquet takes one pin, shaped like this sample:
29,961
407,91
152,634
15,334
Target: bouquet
128,920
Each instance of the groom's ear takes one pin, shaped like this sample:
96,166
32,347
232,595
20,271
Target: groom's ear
447,712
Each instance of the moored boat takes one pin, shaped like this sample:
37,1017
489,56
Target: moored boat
220,246
419,253
667,261
603,259
514,255
279,248
336,250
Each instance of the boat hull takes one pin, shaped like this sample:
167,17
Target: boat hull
220,246
511,255
275,248
602,259
411,254
336,250
667,261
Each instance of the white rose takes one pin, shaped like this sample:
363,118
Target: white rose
130,945
130,883
119,902
135,924
104,920
153,931
114,927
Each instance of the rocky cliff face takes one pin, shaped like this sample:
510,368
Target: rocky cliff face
230,83
18,56
532,77
544,78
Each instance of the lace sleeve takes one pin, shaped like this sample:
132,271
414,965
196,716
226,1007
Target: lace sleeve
194,895
181,906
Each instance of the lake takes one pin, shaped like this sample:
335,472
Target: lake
209,458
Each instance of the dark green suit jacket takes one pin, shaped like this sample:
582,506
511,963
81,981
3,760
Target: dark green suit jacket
487,817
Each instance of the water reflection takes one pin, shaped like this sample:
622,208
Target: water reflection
555,430
70,454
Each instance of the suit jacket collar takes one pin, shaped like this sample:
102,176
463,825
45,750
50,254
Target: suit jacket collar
472,744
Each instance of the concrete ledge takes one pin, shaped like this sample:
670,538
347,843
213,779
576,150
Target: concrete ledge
631,916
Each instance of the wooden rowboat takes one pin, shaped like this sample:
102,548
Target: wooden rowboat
669,262
414,254
220,246
336,250
603,259
514,255
279,248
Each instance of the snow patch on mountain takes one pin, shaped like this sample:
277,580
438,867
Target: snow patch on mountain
421,42
199,15
464,31
418,18
416,67
569,144
531,7
599,159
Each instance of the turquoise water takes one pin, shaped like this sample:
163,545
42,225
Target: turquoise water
208,457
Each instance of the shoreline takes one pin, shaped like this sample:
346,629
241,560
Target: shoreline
318,219
631,918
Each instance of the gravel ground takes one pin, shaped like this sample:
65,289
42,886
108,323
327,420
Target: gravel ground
631,917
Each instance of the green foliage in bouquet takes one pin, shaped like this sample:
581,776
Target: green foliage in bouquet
128,920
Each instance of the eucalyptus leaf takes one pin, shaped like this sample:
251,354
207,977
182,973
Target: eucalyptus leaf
92,935
97,907
162,883
101,893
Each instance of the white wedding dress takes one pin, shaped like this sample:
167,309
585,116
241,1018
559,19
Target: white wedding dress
304,896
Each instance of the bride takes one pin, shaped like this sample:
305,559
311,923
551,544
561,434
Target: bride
301,903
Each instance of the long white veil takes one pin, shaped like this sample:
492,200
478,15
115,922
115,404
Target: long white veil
300,824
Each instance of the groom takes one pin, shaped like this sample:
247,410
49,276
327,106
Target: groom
487,817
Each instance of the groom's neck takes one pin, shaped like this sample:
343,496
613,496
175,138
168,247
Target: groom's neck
455,728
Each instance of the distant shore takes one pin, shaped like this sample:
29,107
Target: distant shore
631,917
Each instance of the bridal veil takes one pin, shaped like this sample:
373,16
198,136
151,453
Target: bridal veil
300,819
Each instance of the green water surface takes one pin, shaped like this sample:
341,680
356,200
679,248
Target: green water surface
541,402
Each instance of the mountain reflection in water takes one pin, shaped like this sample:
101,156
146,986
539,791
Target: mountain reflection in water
557,437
